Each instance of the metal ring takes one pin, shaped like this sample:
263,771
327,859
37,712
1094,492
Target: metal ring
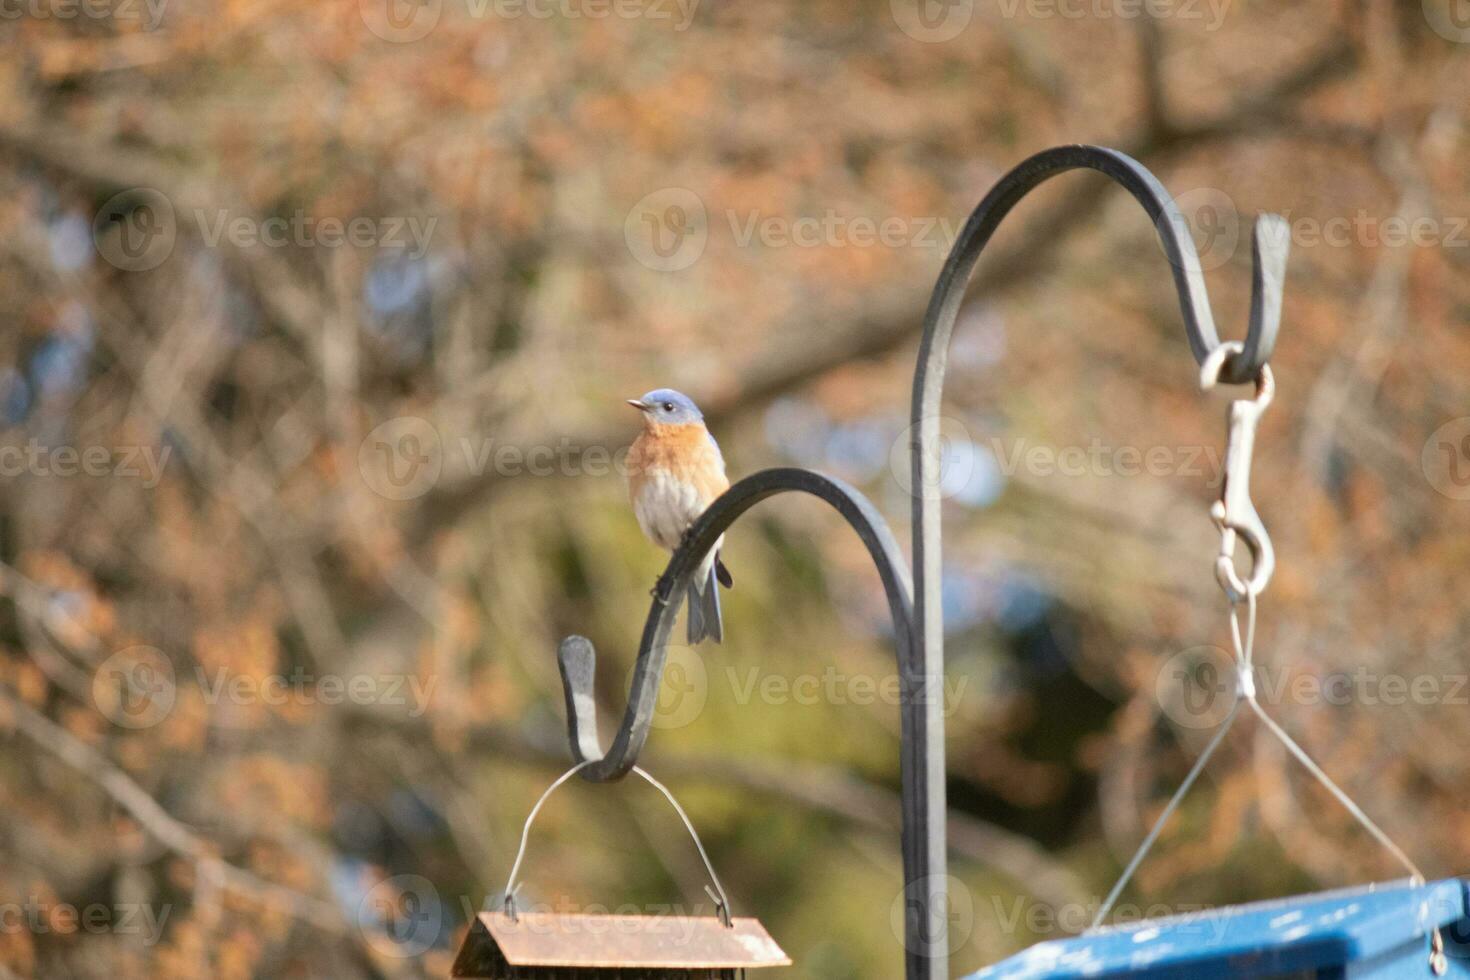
1212,368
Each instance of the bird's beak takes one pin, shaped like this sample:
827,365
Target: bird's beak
637,404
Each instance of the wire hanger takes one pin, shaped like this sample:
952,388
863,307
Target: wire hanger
714,889
1235,514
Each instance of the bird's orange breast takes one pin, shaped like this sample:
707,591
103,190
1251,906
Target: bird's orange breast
684,452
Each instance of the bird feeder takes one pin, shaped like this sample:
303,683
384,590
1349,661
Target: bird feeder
508,944
1384,932
552,946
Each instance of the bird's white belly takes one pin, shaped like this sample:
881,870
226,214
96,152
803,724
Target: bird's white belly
665,508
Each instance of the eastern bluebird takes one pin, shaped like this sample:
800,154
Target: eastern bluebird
675,471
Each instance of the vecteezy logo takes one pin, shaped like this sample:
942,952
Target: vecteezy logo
1196,687
941,910
1457,940
1446,459
1450,19
684,691
135,230
401,916
956,461
402,458
932,21
400,21
134,688
1208,218
667,230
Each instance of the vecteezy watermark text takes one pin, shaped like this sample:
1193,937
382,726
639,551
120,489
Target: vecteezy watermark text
1045,919
143,463
136,230
404,21
1100,459
408,232
300,687
1197,687
147,12
673,921
404,457
137,687
937,21
669,229
687,684
1211,12
680,12
831,686
39,916
1209,217
832,229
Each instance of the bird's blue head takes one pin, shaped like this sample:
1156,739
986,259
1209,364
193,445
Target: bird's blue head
665,406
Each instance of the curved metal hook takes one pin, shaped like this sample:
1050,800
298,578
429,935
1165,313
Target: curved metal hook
1270,246
1271,243
578,659
921,704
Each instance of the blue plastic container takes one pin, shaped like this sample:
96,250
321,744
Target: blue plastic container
1378,932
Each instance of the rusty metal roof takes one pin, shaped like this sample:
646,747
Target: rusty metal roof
612,941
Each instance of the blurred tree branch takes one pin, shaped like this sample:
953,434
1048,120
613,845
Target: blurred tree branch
52,738
890,326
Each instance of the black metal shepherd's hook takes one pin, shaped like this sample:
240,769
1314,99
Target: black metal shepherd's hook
920,639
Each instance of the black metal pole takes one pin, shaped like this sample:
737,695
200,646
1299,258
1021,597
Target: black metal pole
1269,256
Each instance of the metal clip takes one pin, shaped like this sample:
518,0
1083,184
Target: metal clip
1234,513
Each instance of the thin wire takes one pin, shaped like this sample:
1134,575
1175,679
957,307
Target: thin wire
1246,653
1246,691
699,844
510,885
1342,797
526,831
1437,963
1158,827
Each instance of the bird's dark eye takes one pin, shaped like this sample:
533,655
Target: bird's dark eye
668,406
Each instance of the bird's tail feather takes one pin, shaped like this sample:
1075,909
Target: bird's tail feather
704,611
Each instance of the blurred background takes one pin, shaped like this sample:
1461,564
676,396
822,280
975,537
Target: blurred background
317,322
